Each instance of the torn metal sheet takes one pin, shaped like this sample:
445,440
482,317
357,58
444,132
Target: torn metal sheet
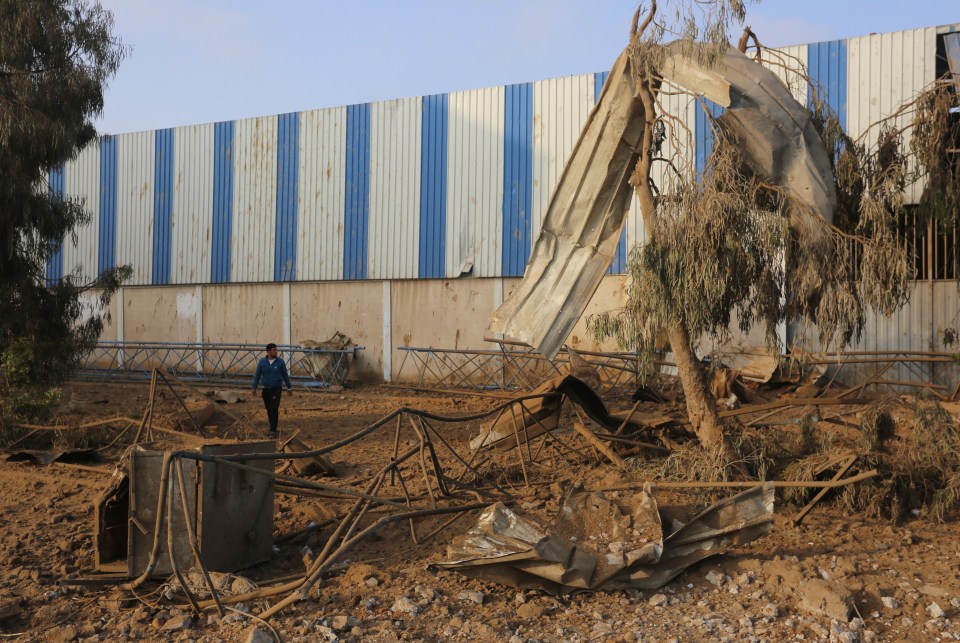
582,224
43,458
773,130
581,227
602,543
542,414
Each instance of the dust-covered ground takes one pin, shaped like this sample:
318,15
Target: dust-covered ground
903,577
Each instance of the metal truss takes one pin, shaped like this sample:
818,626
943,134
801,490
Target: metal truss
514,366
213,363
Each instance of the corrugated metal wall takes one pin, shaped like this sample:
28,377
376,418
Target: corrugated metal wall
135,175
82,181
427,187
394,234
254,198
475,182
322,174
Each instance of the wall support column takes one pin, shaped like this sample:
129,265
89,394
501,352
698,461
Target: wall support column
387,334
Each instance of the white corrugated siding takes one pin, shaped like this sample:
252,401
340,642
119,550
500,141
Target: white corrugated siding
82,181
933,306
394,233
560,109
790,65
135,184
883,72
321,177
254,199
192,213
475,181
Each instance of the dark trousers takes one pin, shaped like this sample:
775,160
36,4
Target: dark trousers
271,400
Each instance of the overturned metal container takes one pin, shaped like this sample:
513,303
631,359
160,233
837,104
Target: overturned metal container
230,509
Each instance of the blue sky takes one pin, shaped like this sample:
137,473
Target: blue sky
198,61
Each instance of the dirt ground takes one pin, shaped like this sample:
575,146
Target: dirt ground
904,578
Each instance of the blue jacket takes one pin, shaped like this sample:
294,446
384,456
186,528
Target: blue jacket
274,375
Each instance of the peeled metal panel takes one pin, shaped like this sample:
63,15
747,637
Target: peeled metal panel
254,199
321,191
221,247
192,205
288,166
619,264
135,201
884,71
517,177
162,206
433,185
394,233
82,182
475,182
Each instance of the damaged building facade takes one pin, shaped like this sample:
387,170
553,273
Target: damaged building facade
407,222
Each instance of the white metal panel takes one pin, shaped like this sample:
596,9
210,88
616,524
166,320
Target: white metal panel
321,178
192,207
82,182
560,109
883,72
394,233
135,185
790,66
254,198
475,182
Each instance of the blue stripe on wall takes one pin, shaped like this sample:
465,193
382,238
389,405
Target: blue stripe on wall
222,202
703,132
827,65
619,264
433,186
55,183
357,189
107,243
288,164
517,177
162,206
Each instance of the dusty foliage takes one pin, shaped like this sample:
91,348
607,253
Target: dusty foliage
726,245
919,466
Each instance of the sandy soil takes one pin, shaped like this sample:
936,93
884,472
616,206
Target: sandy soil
904,578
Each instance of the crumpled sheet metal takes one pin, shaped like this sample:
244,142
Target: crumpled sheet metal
505,548
586,213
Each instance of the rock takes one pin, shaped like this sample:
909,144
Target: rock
371,582
177,623
935,611
405,605
770,610
343,622
890,602
473,597
63,634
426,593
530,611
657,600
934,590
257,635
715,578
827,598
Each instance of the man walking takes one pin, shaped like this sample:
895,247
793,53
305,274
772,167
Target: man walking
273,371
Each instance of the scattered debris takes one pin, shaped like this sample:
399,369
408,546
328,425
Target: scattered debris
506,548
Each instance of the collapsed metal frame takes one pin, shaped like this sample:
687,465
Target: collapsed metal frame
211,362
514,366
